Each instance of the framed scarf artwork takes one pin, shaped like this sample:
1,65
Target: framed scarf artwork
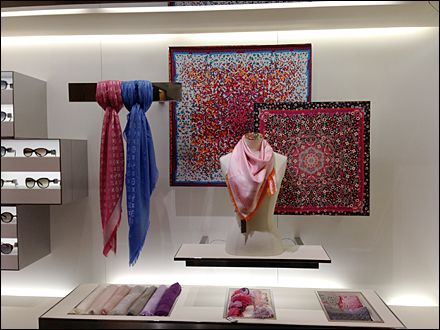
327,145
219,88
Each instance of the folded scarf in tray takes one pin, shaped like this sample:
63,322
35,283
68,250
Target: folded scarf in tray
123,306
151,305
84,306
102,299
119,294
140,302
167,300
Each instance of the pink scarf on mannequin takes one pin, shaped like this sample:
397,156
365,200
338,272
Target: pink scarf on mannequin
111,176
250,175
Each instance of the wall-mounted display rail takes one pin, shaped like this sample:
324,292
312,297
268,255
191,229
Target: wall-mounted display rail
162,91
25,233
23,103
43,171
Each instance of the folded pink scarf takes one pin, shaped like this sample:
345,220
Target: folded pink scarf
249,175
119,294
97,305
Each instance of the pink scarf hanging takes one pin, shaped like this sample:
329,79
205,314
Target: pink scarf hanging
249,175
111,176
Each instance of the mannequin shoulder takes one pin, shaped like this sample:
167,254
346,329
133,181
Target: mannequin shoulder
225,158
280,158
224,162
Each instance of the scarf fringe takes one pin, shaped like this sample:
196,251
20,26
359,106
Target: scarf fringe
110,245
270,188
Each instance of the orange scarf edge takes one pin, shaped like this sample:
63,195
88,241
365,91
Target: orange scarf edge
270,179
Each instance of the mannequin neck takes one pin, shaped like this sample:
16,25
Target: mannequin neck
253,141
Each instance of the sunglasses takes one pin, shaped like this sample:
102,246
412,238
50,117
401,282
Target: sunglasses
40,152
5,84
41,182
4,150
6,115
7,217
7,248
14,181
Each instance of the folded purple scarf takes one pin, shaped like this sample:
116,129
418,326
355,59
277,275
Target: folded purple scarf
151,305
167,300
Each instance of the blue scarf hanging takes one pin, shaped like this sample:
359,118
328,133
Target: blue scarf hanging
141,171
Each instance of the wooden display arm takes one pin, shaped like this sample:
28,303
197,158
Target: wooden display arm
86,92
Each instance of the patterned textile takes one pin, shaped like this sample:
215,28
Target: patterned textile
111,175
327,146
142,172
349,302
358,314
250,177
219,88
340,306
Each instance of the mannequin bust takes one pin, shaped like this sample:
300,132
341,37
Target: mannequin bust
261,237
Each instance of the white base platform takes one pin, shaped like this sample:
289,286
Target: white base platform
203,307
215,255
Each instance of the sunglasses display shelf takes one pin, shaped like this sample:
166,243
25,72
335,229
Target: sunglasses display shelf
43,171
25,234
36,171
23,105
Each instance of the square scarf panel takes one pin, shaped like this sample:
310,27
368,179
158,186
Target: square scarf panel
219,88
327,147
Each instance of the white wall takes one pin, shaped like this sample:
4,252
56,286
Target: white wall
395,250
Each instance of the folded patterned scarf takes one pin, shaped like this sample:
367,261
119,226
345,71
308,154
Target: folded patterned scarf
122,307
84,306
119,294
167,300
151,305
139,304
249,176
102,299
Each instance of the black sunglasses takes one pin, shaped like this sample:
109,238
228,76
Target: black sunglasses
4,150
14,181
6,115
41,182
40,152
7,248
7,217
5,84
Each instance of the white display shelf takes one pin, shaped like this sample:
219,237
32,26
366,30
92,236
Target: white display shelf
26,102
69,165
31,230
7,128
9,230
203,307
215,255
31,196
50,164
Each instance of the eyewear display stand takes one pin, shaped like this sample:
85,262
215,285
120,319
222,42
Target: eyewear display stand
200,307
68,165
26,105
36,171
30,229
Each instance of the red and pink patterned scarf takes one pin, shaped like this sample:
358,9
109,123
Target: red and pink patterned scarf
111,176
249,175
